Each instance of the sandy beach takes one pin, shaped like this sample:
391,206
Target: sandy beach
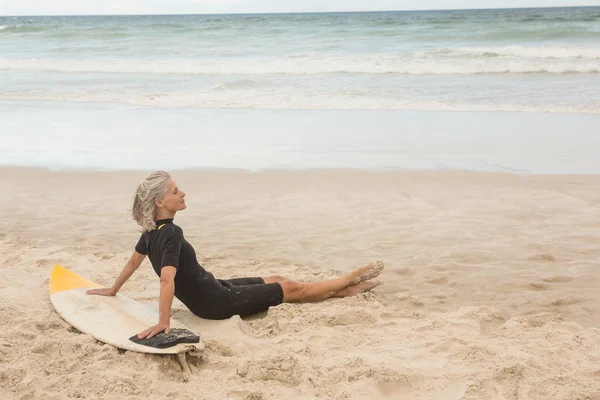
457,146
490,289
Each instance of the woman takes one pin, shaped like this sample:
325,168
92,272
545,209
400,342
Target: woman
156,202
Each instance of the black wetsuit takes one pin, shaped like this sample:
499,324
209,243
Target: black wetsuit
198,289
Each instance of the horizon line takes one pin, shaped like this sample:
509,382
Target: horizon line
306,12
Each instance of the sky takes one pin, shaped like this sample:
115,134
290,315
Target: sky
83,7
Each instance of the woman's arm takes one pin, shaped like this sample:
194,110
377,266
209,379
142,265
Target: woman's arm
167,291
133,264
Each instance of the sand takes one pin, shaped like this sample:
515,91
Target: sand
490,289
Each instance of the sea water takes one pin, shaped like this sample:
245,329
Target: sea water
199,77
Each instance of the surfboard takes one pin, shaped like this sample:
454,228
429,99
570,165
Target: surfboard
109,319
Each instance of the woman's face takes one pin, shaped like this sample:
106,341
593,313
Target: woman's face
173,200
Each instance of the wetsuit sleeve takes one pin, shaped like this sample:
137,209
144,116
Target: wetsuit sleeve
140,247
172,247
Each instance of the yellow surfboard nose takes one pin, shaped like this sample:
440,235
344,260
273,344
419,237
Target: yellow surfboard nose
62,279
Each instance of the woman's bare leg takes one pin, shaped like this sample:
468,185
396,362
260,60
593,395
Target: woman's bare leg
353,290
304,292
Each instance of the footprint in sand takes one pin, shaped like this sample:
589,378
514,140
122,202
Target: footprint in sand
565,301
557,278
44,347
442,280
286,369
537,286
402,271
245,395
353,317
219,348
542,257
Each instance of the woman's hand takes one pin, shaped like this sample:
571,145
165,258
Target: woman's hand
102,292
156,329
167,291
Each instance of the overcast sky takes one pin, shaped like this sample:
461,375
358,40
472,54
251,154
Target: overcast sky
87,7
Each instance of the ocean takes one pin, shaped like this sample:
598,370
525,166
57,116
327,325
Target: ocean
538,61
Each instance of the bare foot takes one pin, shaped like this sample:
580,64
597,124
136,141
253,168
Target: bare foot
365,273
357,289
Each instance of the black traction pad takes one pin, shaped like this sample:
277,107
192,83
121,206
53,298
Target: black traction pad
165,340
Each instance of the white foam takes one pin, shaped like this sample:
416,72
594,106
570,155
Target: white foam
366,64
284,101
553,52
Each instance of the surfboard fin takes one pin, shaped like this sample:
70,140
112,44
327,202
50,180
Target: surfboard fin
165,340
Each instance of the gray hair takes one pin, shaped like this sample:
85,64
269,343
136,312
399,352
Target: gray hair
144,208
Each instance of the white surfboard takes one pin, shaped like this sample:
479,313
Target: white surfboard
109,319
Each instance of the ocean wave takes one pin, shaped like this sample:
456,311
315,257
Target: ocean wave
590,16
553,52
23,28
299,102
310,66
536,34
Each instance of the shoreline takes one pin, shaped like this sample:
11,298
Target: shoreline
48,102
298,172
141,138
